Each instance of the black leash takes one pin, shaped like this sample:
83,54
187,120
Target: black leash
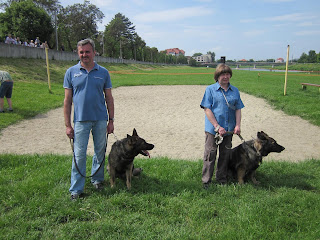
75,161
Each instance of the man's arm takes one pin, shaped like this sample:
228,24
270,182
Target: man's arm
110,107
67,112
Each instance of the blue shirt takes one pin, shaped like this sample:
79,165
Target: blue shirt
214,100
88,92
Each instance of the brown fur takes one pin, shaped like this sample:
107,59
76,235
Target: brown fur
122,154
247,157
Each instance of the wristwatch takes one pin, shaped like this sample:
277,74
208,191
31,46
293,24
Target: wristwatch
111,119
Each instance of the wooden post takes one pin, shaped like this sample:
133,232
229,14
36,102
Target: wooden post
286,74
48,70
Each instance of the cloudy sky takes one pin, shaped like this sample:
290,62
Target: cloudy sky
237,29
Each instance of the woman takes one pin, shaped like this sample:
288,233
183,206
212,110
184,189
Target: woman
222,106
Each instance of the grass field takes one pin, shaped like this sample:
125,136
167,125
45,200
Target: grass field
167,201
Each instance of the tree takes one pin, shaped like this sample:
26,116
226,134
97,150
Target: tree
270,60
137,44
25,20
213,55
303,58
76,22
122,41
312,58
193,62
196,54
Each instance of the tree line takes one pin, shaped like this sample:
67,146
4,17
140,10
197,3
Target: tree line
63,27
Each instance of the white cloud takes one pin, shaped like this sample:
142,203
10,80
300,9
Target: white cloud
278,1
173,14
305,24
308,33
253,33
103,3
291,17
248,20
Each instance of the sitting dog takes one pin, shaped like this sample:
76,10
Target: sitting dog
244,159
122,154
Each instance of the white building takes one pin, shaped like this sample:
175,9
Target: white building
205,58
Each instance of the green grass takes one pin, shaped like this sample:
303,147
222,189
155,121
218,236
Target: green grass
166,202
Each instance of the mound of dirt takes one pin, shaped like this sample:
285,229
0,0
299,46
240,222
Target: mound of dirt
170,117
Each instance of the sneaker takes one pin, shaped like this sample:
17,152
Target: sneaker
10,109
98,186
1,111
75,196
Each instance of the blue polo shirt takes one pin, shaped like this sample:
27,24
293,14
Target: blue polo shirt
88,92
214,100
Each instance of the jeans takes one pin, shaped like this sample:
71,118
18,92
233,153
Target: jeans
81,138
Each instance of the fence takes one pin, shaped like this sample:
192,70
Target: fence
19,51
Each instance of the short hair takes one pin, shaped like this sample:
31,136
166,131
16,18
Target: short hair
221,69
85,42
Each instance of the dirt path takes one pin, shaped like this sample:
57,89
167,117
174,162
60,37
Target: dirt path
170,118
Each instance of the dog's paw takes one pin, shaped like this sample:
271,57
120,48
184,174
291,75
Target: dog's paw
255,182
137,171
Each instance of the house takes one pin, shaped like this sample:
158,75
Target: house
175,52
205,58
280,60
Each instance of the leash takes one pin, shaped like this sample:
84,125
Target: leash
219,138
247,147
75,161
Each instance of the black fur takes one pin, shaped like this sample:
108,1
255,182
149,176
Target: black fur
122,154
244,159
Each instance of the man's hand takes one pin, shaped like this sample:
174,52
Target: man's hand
70,132
110,127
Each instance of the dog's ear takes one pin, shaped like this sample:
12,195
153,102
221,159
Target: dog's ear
128,136
261,135
134,132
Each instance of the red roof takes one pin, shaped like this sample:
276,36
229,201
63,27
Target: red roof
176,51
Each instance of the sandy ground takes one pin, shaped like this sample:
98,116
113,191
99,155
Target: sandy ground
171,119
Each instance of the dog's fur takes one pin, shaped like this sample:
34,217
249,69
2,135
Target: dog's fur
244,159
122,154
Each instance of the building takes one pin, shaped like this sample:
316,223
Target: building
205,58
280,60
175,52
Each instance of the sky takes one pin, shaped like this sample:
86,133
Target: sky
237,29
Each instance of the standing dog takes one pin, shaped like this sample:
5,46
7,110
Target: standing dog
122,154
247,157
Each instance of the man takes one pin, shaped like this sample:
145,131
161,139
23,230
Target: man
5,90
222,106
88,86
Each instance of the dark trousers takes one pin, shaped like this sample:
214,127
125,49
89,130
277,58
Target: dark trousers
209,159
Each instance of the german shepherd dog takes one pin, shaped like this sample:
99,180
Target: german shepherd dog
247,157
122,154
